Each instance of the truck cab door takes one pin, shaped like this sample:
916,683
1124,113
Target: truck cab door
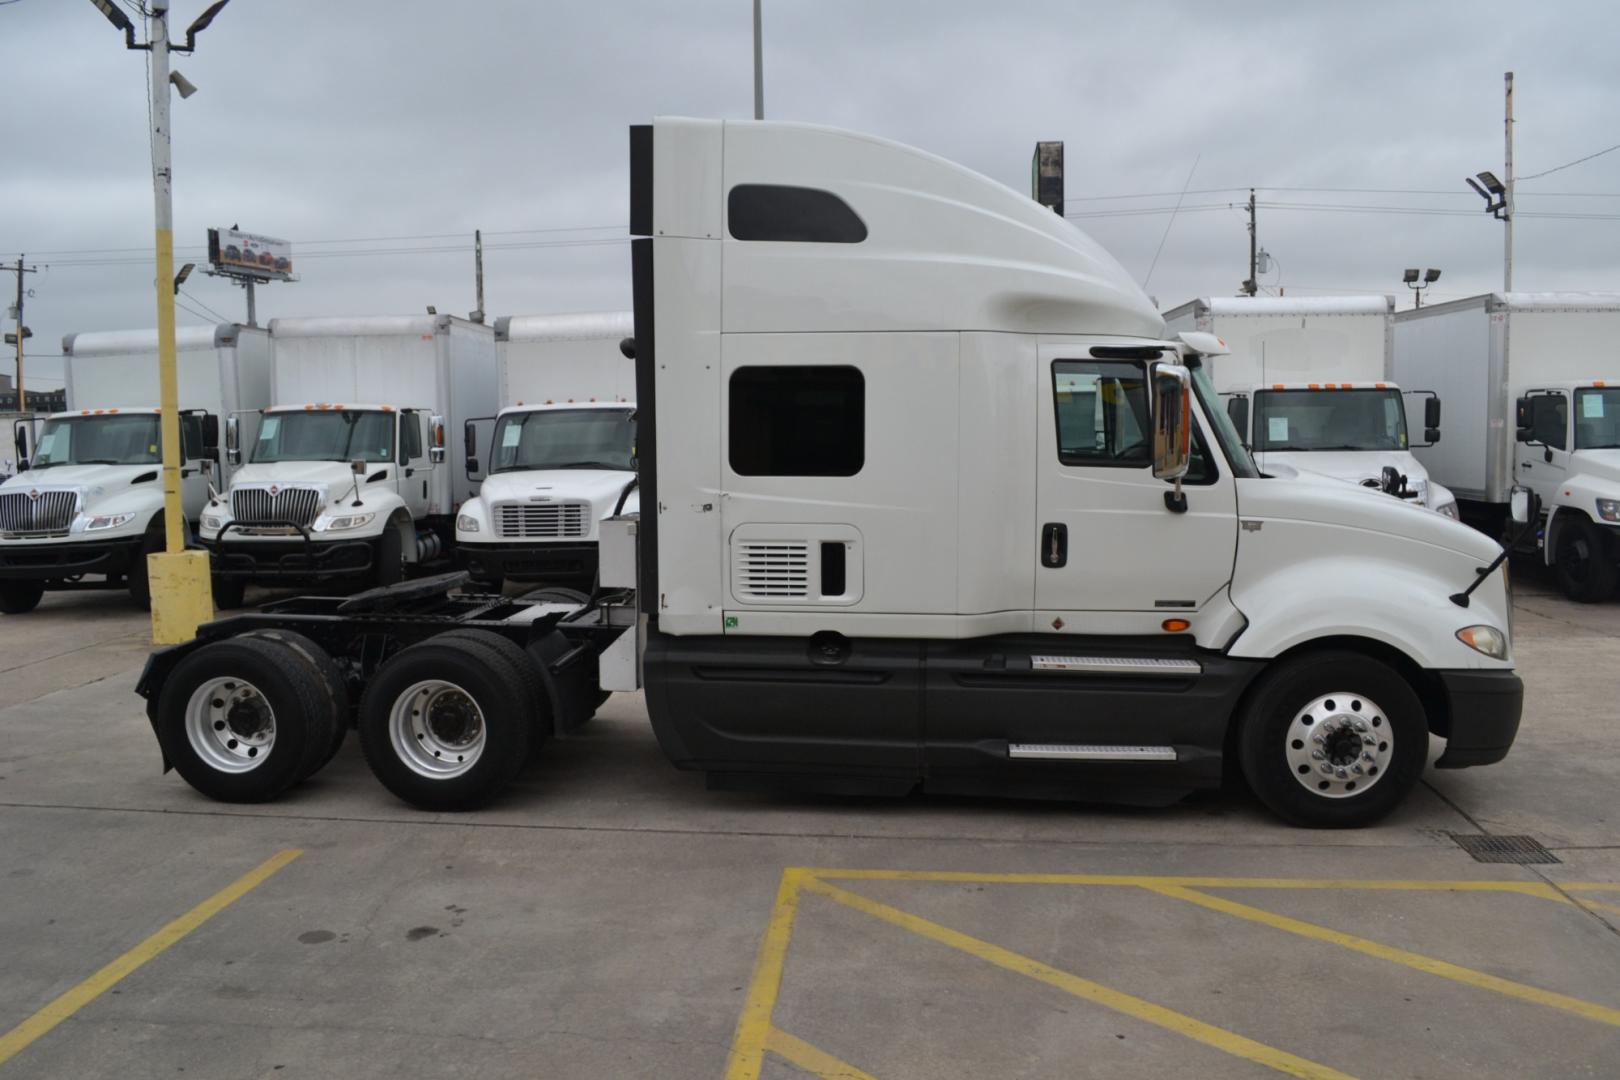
415,470
1113,556
1543,460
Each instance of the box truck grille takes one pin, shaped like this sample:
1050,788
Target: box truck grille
543,521
34,512
297,505
765,570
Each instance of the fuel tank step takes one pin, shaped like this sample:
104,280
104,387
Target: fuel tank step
1080,752
1117,665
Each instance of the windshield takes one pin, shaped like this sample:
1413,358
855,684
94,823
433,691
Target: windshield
130,439
1237,455
1329,420
1597,419
566,439
325,436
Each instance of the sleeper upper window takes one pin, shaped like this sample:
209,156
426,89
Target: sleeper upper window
780,212
797,421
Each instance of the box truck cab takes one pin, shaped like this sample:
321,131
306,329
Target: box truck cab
86,507
1307,383
930,498
562,452
1568,453
348,478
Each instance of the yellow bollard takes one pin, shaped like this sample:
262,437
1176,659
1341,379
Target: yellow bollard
182,595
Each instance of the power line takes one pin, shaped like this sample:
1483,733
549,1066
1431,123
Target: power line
204,306
353,240
1567,165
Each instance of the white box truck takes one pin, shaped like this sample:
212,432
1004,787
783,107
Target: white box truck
346,476
929,499
562,451
87,506
1309,385
1534,396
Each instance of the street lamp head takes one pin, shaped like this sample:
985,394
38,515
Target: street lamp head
1431,276
1492,184
115,14
1410,276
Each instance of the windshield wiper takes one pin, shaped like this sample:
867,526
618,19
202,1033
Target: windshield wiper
592,465
1269,449
99,461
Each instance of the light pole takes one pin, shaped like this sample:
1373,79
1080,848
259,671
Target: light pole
1497,195
181,594
1430,276
759,66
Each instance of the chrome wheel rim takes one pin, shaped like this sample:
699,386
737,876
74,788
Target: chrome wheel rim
1339,745
437,729
230,724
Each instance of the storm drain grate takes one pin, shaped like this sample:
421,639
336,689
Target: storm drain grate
1505,849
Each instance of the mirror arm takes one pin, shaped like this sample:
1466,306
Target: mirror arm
1176,501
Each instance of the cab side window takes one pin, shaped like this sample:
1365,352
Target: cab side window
1552,421
410,437
1102,413
191,436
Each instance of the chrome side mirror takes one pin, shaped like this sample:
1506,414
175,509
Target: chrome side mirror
436,442
1171,412
1524,506
233,440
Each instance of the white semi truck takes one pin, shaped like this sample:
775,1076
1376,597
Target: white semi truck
347,476
929,499
1309,385
1535,400
86,507
562,451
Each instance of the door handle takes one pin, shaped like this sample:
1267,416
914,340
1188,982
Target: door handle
1524,465
410,472
1054,544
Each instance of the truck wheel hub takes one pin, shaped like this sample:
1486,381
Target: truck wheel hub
230,724
1339,745
437,729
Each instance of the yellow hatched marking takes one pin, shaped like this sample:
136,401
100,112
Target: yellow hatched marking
796,1051
754,1026
1430,965
1219,1038
20,1037
1144,881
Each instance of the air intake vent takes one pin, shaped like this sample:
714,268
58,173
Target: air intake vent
766,570
543,521
37,513
276,504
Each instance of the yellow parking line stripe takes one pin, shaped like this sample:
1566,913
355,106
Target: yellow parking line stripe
796,1051
21,1036
1529,888
1208,1034
1468,976
1598,905
754,1026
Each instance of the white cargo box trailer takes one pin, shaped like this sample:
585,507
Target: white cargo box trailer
90,506
350,476
1533,388
556,359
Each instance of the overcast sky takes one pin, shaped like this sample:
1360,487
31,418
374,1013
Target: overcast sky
342,125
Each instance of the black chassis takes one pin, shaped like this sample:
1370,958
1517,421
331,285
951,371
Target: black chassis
364,631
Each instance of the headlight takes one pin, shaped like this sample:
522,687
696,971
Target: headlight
212,523
466,524
109,521
1609,509
1448,509
350,521
1485,639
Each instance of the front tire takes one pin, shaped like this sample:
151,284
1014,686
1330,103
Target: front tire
1581,561
20,597
1332,740
390,557
229,593
152,542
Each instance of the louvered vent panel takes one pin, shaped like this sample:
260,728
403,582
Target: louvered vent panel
765,570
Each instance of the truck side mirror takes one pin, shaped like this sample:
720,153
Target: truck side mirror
627,347
436,443
1237,408
233,440
469,446
1431,415
1524,505
1524,418
1171,412
358,466
19,437
210,436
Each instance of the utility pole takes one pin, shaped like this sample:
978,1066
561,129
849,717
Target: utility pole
759,67
1250,287
22,331
478,272
1507,198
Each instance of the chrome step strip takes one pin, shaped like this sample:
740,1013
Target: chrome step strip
1071,752
1117,665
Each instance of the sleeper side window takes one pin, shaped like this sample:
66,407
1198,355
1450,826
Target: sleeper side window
1102,413
797,421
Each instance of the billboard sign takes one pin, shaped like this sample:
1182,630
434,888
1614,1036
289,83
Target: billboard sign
1046,175
249,255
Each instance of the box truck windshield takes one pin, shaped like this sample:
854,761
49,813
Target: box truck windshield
1597,419
1329,420
132,439
566,439
1225,432
340,435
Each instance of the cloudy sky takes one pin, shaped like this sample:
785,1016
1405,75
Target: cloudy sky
377,134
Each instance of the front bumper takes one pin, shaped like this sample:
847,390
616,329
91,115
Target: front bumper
296,559
1483,708
67,558
570,563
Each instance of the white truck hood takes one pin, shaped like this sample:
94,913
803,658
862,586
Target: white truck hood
93,479
331,474
1354,466
1306,500
596,486
1599,465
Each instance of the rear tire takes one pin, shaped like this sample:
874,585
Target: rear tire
1585,571
20,597
332,680
244,719
444,725
1332,740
